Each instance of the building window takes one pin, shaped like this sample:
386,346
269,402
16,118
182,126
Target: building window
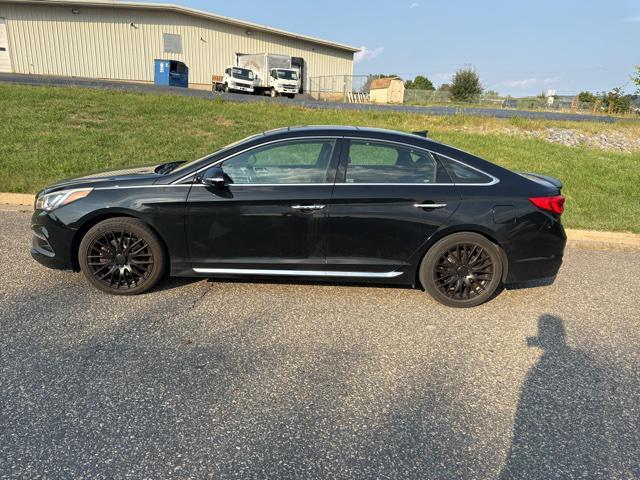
172,43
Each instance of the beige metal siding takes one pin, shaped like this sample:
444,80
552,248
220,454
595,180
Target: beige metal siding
122,43
5,60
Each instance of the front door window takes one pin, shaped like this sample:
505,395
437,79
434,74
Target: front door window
291,162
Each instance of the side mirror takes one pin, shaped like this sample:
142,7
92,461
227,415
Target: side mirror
214,177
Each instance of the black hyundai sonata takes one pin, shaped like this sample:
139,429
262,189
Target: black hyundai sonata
342,203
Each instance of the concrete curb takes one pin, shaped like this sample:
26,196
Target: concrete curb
583,239
22,199
595,240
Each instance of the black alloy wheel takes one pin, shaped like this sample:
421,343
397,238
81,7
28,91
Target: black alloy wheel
122,256
462,270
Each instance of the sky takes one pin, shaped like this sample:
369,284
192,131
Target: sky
518,47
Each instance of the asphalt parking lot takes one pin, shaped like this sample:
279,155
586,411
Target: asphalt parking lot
215,379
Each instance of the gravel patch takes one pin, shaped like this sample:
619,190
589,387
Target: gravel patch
612,141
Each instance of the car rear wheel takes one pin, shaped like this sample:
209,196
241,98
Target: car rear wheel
122,256
462,270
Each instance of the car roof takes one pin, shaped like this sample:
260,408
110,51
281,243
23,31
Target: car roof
418,140
343,130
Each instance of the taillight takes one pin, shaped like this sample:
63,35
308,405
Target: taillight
553,204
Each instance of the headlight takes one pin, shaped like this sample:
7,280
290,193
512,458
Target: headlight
63,197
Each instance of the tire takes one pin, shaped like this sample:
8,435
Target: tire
226,88
273,93
458,279
122,256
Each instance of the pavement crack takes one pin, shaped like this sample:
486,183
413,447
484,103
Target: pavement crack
197,300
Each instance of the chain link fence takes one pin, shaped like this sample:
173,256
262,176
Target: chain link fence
356,89
340,88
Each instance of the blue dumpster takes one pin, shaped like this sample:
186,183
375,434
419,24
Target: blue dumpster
171,72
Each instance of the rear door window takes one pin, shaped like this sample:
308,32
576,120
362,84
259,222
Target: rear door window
380,162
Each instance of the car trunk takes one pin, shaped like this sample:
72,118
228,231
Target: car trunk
551,183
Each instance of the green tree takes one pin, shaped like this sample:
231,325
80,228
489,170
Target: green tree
465,85
419,83
587,97
636,78
445,87
615,101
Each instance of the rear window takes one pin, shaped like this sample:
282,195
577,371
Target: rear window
462,173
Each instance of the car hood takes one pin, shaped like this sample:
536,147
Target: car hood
143,175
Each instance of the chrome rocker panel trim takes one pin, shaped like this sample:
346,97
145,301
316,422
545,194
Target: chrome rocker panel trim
297,273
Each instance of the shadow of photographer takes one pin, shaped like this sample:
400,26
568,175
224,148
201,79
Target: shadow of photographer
559,429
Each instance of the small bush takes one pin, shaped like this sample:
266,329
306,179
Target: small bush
465,85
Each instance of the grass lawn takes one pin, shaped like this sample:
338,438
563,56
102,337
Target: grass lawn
51,133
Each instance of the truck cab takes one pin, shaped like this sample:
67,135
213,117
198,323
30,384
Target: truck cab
284,81
238,79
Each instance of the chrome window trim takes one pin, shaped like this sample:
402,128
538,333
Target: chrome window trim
280,140
302,273
118,187
269,184
494,180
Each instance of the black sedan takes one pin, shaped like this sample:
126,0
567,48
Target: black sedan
340,203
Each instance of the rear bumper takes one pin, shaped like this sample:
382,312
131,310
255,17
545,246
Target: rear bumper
534,268
538,254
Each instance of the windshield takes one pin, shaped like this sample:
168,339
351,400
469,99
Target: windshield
288,74
242,73
187,164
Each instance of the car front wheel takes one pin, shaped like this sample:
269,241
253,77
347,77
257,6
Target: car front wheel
462,270
122,256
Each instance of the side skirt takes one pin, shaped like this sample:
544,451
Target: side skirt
296,273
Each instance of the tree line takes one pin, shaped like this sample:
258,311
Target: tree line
465,86
615,100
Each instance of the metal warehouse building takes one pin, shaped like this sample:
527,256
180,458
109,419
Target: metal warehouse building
121,40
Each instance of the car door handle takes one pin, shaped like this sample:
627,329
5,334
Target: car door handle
429,205
308,207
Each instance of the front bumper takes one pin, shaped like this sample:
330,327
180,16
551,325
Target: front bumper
242,88
51,243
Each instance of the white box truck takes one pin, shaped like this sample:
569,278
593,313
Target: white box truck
274,74
235,79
